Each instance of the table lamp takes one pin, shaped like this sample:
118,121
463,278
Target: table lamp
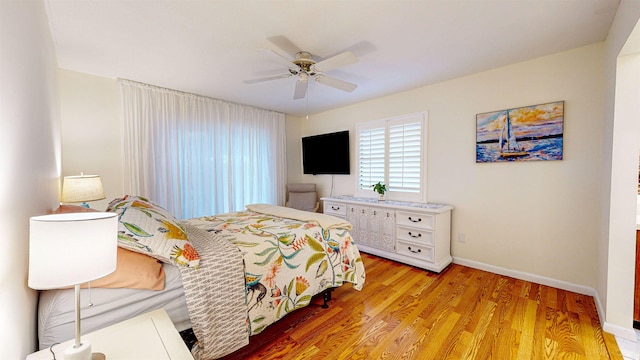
82,188
71,249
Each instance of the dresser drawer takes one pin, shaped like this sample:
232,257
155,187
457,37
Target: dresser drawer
335,209
423,237
421,252
417,220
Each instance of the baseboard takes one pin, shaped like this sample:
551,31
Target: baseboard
619,331
580,289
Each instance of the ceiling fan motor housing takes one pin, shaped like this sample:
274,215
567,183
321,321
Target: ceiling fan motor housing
304,61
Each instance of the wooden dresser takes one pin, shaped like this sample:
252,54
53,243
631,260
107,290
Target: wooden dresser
417,234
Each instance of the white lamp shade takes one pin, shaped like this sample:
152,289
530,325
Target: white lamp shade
70,249
82,188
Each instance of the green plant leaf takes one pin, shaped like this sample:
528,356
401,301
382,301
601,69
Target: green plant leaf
314,259
292,255
286,239
135,229
291,291
324,265
291,266
266,251
314,244
258,329
245,244
303,301
267,260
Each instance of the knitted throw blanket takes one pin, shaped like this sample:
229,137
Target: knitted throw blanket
215,294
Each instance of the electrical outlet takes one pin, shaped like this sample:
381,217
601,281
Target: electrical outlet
461,238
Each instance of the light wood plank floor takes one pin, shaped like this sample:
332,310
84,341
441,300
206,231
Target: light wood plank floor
408,313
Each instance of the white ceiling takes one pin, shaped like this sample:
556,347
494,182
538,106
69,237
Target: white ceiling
211,47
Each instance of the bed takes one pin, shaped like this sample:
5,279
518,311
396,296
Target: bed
227,276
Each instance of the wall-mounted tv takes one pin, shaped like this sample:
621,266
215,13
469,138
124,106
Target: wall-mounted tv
326,153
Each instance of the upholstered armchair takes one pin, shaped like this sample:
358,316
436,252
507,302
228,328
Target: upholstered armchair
302,197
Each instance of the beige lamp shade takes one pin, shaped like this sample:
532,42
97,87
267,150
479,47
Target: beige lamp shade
70,249
82,188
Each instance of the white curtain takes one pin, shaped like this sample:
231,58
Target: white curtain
199,156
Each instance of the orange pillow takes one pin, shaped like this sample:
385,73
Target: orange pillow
133,270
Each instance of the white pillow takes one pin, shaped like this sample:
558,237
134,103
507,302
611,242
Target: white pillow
147,228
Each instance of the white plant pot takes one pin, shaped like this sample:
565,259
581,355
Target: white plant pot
380,197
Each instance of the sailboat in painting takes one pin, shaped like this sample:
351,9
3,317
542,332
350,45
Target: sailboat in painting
508,145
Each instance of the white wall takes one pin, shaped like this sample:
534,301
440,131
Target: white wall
621,138
90,115
29,160
534,217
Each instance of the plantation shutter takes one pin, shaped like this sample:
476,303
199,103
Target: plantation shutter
371,155
405,144
393,151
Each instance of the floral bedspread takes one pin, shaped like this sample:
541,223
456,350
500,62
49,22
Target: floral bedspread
287,261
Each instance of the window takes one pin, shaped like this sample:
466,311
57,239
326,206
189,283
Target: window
393,151
198,156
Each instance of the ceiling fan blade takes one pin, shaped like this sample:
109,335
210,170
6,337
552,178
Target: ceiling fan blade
283,43
337,61
301,88
267,78
276,56
335,83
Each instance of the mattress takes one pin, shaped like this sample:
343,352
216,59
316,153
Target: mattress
56,308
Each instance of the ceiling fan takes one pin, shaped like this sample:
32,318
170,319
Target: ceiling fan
304,67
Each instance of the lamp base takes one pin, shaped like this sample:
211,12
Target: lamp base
82,352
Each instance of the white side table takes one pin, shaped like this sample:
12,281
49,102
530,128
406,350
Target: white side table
149,336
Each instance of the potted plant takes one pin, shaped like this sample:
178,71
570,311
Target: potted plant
380,188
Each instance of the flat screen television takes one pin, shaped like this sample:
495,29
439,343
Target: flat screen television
326,153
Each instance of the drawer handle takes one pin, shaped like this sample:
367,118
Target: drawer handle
415,236
374,212
335,208
414,251
415,221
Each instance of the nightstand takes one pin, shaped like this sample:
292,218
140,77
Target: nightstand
149,336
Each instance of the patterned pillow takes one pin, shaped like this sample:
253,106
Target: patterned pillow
145,227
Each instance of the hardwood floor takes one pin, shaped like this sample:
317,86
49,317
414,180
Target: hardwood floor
408,313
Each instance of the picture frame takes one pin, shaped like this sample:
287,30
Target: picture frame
528,133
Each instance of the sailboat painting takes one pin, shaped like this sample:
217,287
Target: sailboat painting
527,133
